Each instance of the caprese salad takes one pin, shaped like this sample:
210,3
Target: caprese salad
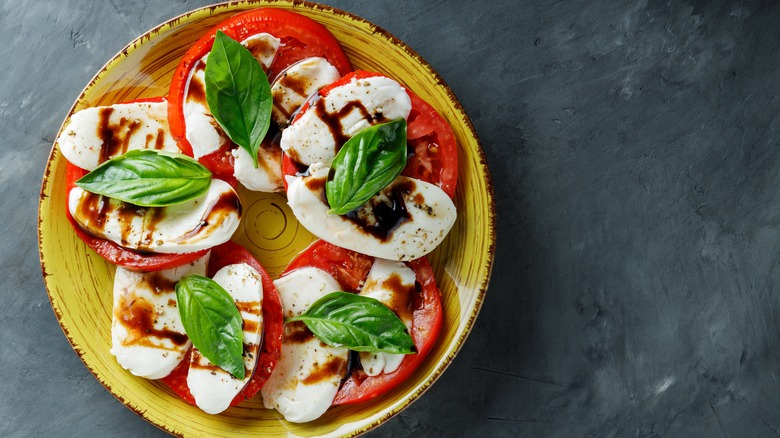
299,56
267,99
313,373
366,134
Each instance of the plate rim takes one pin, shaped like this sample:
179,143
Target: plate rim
487,263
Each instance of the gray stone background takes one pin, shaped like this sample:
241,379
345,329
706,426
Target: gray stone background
634,152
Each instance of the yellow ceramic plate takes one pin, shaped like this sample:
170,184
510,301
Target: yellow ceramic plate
79,282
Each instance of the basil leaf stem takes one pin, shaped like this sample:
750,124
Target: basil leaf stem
366,164
212,321
148,178
238,93
359,323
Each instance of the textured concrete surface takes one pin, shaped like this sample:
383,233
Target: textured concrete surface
634,151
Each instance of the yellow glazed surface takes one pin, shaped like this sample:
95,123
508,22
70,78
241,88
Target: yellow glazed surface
79,282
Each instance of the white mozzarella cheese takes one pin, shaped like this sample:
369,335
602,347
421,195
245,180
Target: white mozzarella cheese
297,82
202,131
200,223
212,387
147,335
392,283
347,109
308,374
97,134
403,236
263,47
267,176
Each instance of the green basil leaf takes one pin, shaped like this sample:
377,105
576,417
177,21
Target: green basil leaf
212,321
366,164
238,93
343,319
149,178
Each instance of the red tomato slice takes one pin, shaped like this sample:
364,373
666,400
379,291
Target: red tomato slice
301,38
221,164
350,269
273,324
435,158
133,260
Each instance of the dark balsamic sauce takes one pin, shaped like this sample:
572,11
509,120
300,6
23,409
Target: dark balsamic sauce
250,326
159,284
300,168
334,367
296,332
317,186
138,316
227,203
195,89
334,120
299,85
105,133
260,49
252,307
269,156
383,215
115,138
94,209
401,298
197,364
160,141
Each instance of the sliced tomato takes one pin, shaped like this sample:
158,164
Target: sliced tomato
301,37
426,324
429,136
230,253
435,158
350,269
133,260
221,164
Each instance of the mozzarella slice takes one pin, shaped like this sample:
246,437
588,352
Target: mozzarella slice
147,335
393,284
296,83
307,377
200,223
316,135
203,132
263,47
406,220
267,176
97,134
212,387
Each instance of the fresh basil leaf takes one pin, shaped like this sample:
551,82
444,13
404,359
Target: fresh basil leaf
343,319
212,321
366,164
238,93
149,178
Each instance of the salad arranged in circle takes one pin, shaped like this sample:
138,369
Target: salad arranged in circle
268,100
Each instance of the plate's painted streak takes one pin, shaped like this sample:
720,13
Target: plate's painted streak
79,282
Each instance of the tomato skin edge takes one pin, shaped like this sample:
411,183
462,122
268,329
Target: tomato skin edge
441,138
349,268
273,326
